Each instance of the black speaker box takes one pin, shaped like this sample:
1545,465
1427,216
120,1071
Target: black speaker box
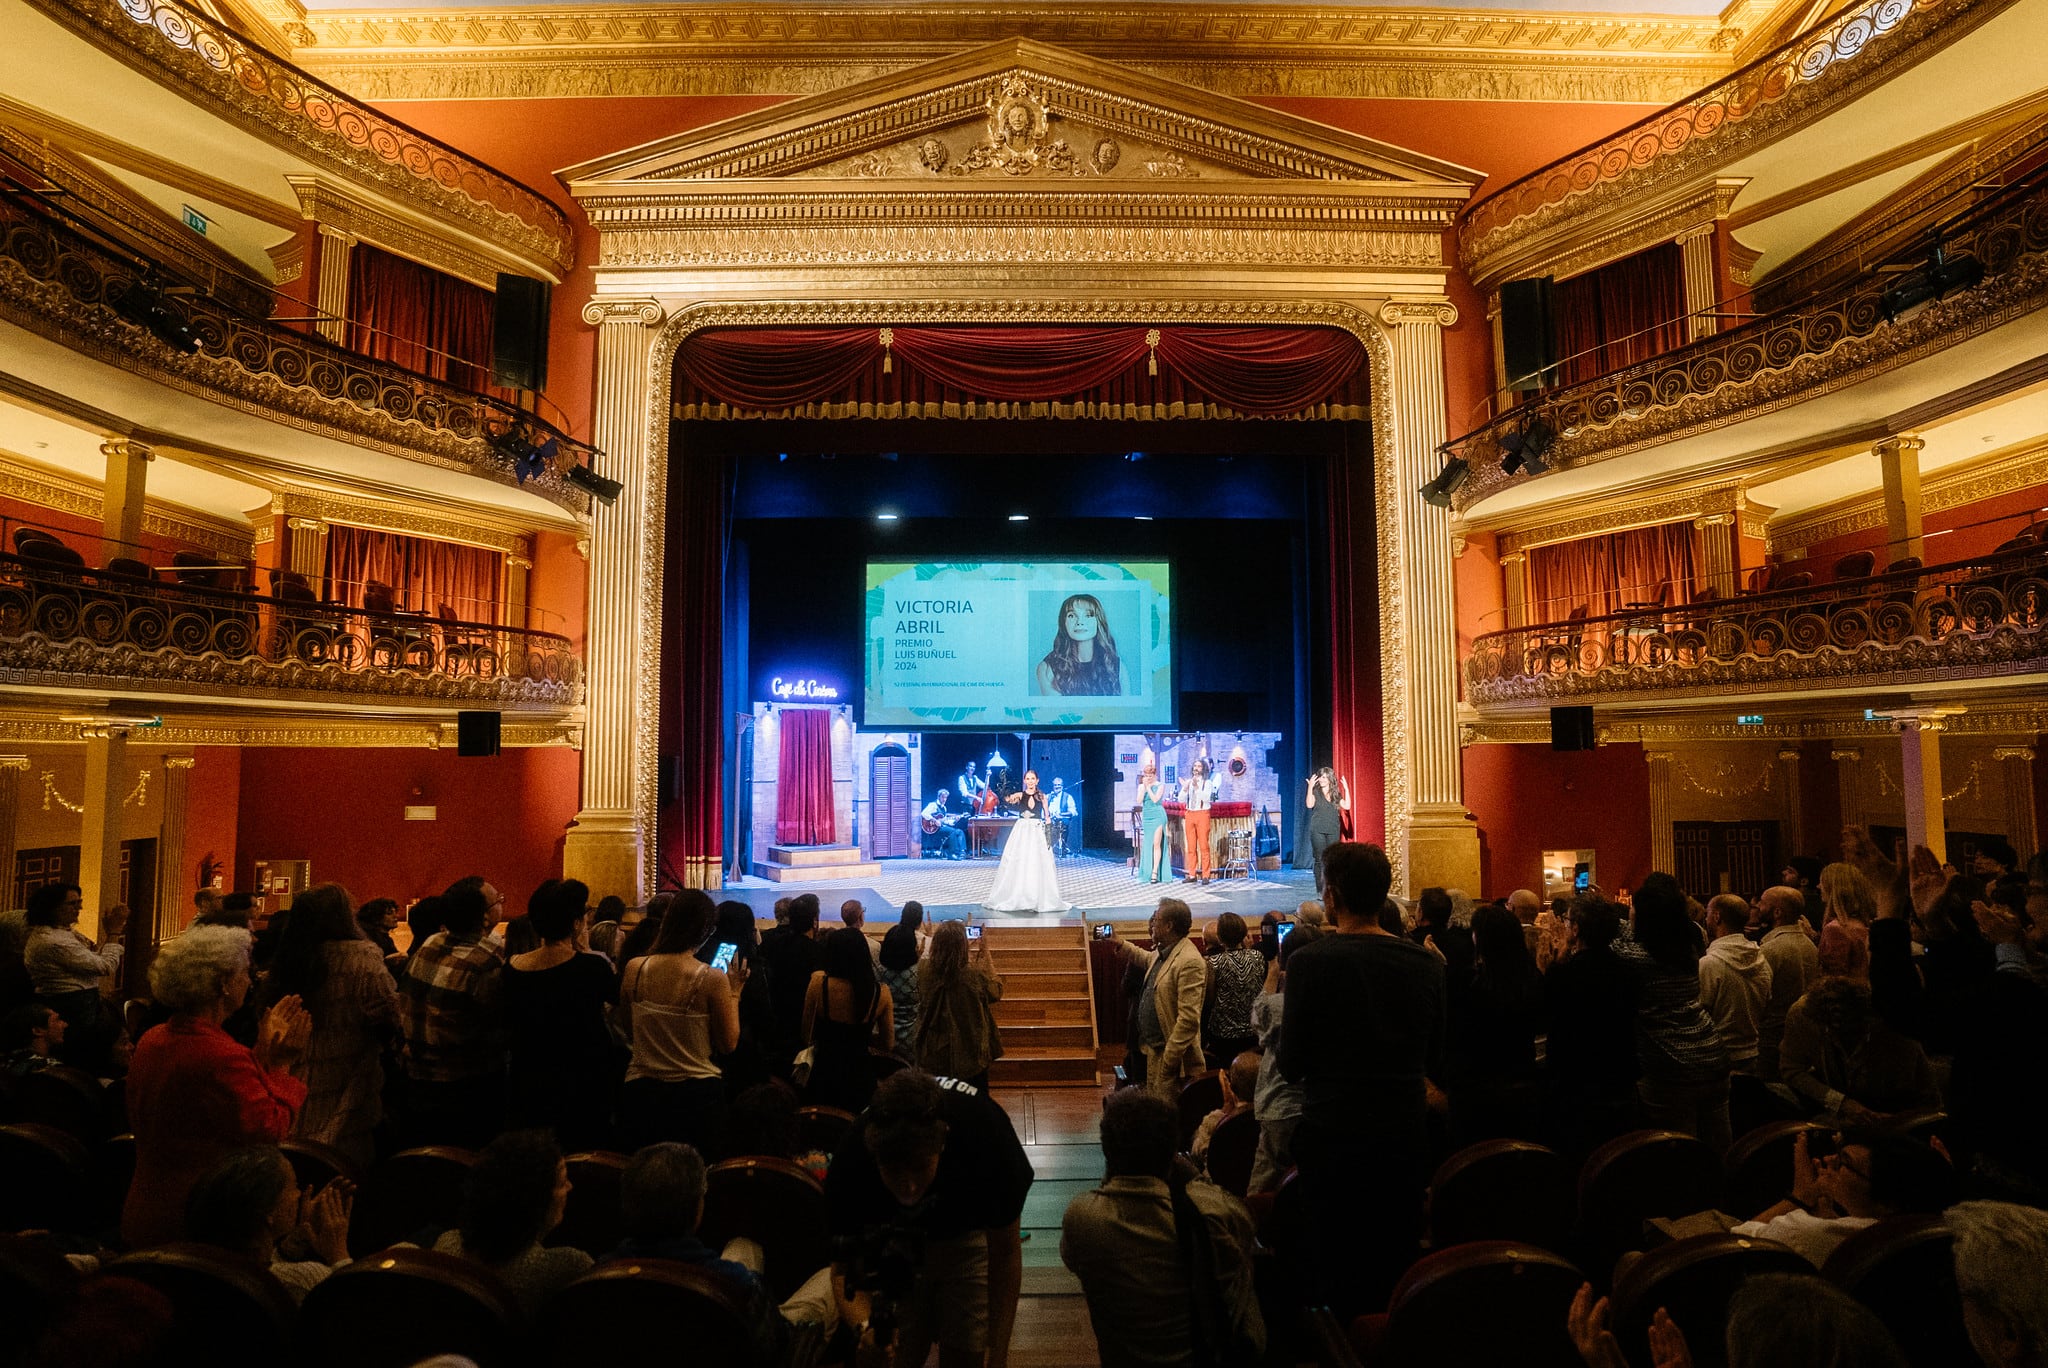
477,733
1528,338
519,336
1571,729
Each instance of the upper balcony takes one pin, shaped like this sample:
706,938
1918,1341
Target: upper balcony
1975,623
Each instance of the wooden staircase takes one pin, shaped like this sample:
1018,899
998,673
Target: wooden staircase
1047,1013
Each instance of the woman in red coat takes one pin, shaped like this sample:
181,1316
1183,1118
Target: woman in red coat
195,1095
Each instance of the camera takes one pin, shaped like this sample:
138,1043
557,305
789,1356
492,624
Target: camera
881,1261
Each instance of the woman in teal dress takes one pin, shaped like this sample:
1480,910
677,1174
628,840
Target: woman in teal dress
1152,831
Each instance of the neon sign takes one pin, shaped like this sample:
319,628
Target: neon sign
786,689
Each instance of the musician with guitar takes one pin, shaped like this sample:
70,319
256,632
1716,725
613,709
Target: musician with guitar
941,828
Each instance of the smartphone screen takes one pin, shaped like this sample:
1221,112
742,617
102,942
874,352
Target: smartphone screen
1104,931
973,931
722,958
1582,880
1280,931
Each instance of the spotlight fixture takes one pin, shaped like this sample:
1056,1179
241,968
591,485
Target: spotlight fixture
604,491
147,306
1523,448
885,517
1437,492
1942,276
1020,517
528,457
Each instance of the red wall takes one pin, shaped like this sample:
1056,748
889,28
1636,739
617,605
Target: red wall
1968,531
501,816
1480,590
555,587
1530,799
80,533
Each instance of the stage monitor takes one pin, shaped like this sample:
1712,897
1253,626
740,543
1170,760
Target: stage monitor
1040,645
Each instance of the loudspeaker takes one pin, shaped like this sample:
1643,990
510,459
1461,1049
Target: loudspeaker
477,733
668,779
519,335
1528,338
1571,729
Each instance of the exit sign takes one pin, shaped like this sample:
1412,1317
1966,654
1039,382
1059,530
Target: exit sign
1749,719
195,220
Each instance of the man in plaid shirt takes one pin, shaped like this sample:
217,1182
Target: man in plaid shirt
448,1003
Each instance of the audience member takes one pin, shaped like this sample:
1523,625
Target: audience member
2000,1250
1240,1086
639,938
423,920
1849,906
1169,1001
746,1063
517,934
1433,914
449,1005
845,1011
1795,967
604,933
1682,1066
563,1073
1871,1175
1363,1028
323,960
229,909
194,1094
378,918
956,1034
678,1014
250,1204
1495,1015
514,1195
1527,907
853,916
1164,1257
1735,980
1276,1102
1311,912
897,964
1590,999
792,954
65,970
30,1037
1841,1057
934,1173
762,1121
1997,1094
1236,973
1775,1320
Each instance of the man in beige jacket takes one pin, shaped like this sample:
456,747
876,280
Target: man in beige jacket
1170,1004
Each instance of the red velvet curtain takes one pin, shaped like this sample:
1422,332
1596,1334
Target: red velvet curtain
1112,371
803,788
423,574
693,716
1614,572
1627,311
1352,575
419,318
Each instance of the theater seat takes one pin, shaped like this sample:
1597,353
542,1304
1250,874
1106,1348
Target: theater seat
315,1165
1490,1302
593,1220
1903,1269
1502,1190
1232,1147
412,1193
821,1128
1634,1177
1198,1098
48,1183
778,1205
1757,1170
1693,1279
401,1306
66,1099
641,1311
228,1311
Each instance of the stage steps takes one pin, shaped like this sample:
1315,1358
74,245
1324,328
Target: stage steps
836,862
1047,1012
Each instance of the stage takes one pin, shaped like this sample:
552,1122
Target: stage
1100,887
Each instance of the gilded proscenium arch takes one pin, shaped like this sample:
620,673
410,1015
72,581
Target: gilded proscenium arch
1391,514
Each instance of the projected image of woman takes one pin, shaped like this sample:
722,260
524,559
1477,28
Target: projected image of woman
1027,880
1083,659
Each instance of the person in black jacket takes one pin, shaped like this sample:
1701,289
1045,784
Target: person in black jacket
1590,1001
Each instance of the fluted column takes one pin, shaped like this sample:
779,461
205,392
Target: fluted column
1898,459
1920,780
2018,764
336,247
1849,783
1514,579
1431,838
518,579
1663,850
307,550
170,855
1795,822
1719,564
1702,297
12,767
606,848
121,502
99,840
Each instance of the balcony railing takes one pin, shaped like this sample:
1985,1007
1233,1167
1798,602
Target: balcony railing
57,280
1973,618
62,624
1835,338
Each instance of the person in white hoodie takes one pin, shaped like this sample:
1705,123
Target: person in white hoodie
1735,980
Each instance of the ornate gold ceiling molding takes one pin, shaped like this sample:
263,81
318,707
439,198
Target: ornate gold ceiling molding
1616,512
35,727
2005,719
332,204
467,527
1572,247
553,52
63,492
1956,486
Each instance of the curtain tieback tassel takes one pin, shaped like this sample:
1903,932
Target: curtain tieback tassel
1152,351
888,341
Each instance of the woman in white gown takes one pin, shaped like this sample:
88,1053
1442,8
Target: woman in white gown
1027,880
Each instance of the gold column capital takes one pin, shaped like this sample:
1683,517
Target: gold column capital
1514,557
2025,753
1845,754
1707,520
306,524
1788,753
1403,312
180,762
1658,757
645,313
1903,444
127,448
13,762
518,563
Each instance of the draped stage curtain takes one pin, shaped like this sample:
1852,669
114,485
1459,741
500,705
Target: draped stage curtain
1351,579
1610,573
803,787
694,720
1109,371
423,574
420,318
1627,311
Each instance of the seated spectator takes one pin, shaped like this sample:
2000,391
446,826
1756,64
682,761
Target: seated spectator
562,1071
378,918
956,1034
1775,1320
454,1034
1496,1013
1683,1066
1236,973
511,1199
1870,1175
1841,1057
1125,1241
194,1094
29,1037
762,1122
250,1204
1735,980
65,970
1849,906
1276,1102
1240,1086
661,1195
1589,998
2000,1250
678,1014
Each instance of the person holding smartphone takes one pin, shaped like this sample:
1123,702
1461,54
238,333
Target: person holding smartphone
678,1013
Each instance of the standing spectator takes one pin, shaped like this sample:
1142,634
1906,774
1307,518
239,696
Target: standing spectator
1362,1031
1128,1240
1683,1080
1275,1101
65,970
323,960
845,1011
853,915
378,918
563,1073
1849,905
449,1008
639,938
604,925
249,1204
1310,912
1589,1065
1169,1002
1838,1055
746,1062
1495,1014
956,1034
1795,967
1735,980
678,1014
897,963
194,1094
1434,921
1236,973
791,954
1526,906
2000,1250
513,1197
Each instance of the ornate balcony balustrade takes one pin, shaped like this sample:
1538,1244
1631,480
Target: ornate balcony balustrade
1836,338
64,625
56,280
1974,618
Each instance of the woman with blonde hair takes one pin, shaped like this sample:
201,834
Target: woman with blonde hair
956,1034
1850,904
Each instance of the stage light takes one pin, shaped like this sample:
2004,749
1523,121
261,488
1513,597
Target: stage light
528,457
1437,493
1134,455
604,491
885,517
1523,448
1942,276
147,307
1141,517
1020,517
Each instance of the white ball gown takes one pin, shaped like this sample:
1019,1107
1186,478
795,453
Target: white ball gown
1027,880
